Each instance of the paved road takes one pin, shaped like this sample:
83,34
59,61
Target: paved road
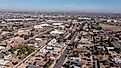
16,66
38,35
114,42
62,58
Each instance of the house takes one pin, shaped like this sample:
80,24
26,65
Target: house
52,46
75,22
109,20
110,48
3,62
52,42
84,18
29,19
85,41
38,26
57,24
46,49
1,55
33,66
23,32
7,57
19,20
15,41
40,63
75,58
3,43
56,32
5,32
14,20
53,50
2,48
3,22
0,21
45,25
96,31
117,60
42,26
38,39
49,48
62,26
84,33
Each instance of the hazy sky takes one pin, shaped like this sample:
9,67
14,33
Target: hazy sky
62,5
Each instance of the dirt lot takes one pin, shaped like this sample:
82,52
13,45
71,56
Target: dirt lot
111,27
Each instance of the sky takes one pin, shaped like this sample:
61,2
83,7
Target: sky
105,6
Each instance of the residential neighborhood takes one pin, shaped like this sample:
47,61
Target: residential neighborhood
30,40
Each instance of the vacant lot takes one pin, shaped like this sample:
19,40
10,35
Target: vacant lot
111,27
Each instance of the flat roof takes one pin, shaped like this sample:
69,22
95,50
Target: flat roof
3,62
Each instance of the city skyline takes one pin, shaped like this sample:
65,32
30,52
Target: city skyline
103,6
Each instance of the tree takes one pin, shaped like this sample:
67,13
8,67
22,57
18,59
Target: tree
31,35
26,37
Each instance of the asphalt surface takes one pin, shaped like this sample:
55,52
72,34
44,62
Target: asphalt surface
116,43
61,60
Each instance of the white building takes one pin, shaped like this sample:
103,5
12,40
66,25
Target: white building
52,42
41,26
109,20
2,48
38,39
38,26
3,62
56,32
117,60
84,18
57,24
